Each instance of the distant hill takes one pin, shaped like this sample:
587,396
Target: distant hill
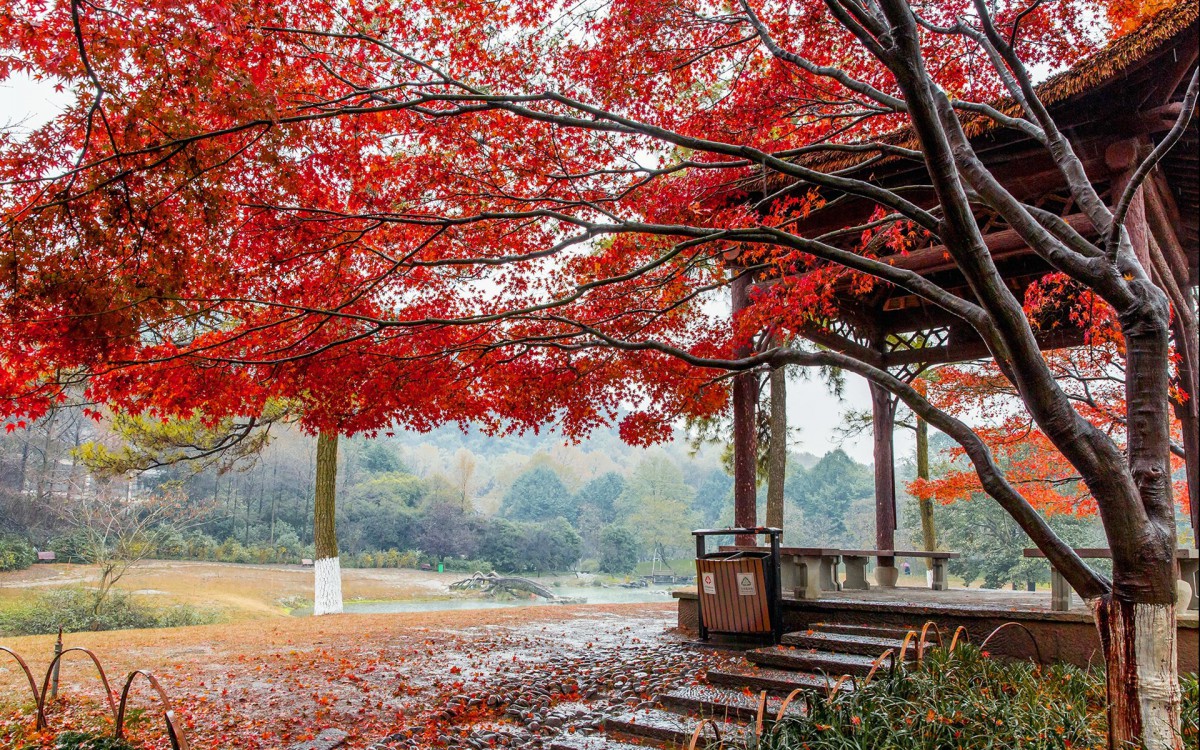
804,459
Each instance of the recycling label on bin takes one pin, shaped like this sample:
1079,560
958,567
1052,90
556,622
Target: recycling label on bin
745,584
710,584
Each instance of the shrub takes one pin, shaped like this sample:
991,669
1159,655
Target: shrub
75,611
90,741
465,566
71,547
16,553
964,700
382,559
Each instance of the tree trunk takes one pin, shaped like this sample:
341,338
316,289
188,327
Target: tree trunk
1137,621
24,467
777,457
1139,642
745,430
274,496
928,535
327,597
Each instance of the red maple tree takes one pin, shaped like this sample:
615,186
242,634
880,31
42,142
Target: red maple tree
518,213
1093,376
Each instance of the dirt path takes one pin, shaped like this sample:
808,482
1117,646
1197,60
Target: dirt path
407,678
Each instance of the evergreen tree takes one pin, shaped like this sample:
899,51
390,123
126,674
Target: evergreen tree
601,494
714,498
538,495
554,546
618,551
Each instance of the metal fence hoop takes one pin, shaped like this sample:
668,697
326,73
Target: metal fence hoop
175,732
40,721
108,693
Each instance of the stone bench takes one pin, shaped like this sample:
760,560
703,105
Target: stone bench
856,567
803,571
809,571
1060,590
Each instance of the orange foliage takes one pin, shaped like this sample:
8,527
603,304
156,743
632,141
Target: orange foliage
1092,375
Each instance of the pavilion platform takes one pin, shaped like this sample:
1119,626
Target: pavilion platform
1040,633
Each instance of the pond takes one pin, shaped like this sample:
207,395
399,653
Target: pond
589,595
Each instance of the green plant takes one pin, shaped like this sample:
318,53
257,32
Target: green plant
75,611
16,553
618,551
90,741
459,565
1190,714
962,699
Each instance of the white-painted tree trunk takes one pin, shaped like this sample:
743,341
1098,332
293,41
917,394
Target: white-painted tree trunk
328,586
1159,700
1141,655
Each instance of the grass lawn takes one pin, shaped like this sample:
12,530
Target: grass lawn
242,592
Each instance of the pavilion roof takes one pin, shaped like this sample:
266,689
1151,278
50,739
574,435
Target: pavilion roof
1125,91
1124,55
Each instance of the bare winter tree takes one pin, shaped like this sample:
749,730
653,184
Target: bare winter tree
115,533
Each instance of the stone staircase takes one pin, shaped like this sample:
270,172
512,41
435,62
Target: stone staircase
728,701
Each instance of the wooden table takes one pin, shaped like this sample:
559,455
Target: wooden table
1060,590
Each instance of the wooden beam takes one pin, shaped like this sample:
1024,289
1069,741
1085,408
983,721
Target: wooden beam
1002,245
973,349
842,345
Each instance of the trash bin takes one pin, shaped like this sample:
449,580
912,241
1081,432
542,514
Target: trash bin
739,591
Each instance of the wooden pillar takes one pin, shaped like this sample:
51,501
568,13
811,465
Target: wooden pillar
883,419
1173,275
745,430
1186,412
1153,238
1122,158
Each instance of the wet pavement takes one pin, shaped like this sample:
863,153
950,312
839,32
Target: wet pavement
522,685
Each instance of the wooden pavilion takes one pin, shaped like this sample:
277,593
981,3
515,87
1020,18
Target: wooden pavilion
1114,106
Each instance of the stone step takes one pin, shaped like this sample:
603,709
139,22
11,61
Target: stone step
592,742
874,631
663,726
844,643
815,662
779,681
723,703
